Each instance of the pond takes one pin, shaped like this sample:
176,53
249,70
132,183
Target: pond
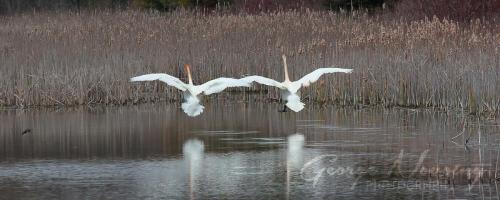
238,150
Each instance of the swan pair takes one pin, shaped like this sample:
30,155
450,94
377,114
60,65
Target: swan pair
191,103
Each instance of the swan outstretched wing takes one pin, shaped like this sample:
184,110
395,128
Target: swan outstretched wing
262,80
169,80
314,76
220,84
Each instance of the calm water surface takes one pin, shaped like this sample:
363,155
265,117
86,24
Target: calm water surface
245,151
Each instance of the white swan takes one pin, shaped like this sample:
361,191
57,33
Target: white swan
191,104
289,89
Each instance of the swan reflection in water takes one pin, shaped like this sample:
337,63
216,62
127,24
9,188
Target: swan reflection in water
193,155
294,157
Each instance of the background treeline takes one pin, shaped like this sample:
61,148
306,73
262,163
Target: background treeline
451,9
166,5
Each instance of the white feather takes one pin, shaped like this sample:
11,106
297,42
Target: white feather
294,103
169,80
289,89
191,105
263,81
220,84
316,74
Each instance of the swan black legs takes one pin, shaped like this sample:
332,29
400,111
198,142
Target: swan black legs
284,106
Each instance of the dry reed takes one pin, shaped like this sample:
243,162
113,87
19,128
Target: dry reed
87,58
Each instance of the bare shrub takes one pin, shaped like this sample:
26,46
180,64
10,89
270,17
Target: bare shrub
458,10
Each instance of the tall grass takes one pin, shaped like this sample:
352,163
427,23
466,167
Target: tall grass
87,58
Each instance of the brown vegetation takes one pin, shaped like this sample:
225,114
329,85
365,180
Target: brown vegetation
87,58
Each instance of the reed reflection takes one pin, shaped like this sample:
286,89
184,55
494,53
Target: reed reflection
243,151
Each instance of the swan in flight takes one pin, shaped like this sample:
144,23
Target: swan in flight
191,104
289,89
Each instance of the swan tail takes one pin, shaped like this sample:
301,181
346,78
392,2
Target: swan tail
294,103
192,106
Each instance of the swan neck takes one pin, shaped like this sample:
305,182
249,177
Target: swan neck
189,75
287,79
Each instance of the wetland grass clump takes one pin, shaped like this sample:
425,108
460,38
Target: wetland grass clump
88,57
